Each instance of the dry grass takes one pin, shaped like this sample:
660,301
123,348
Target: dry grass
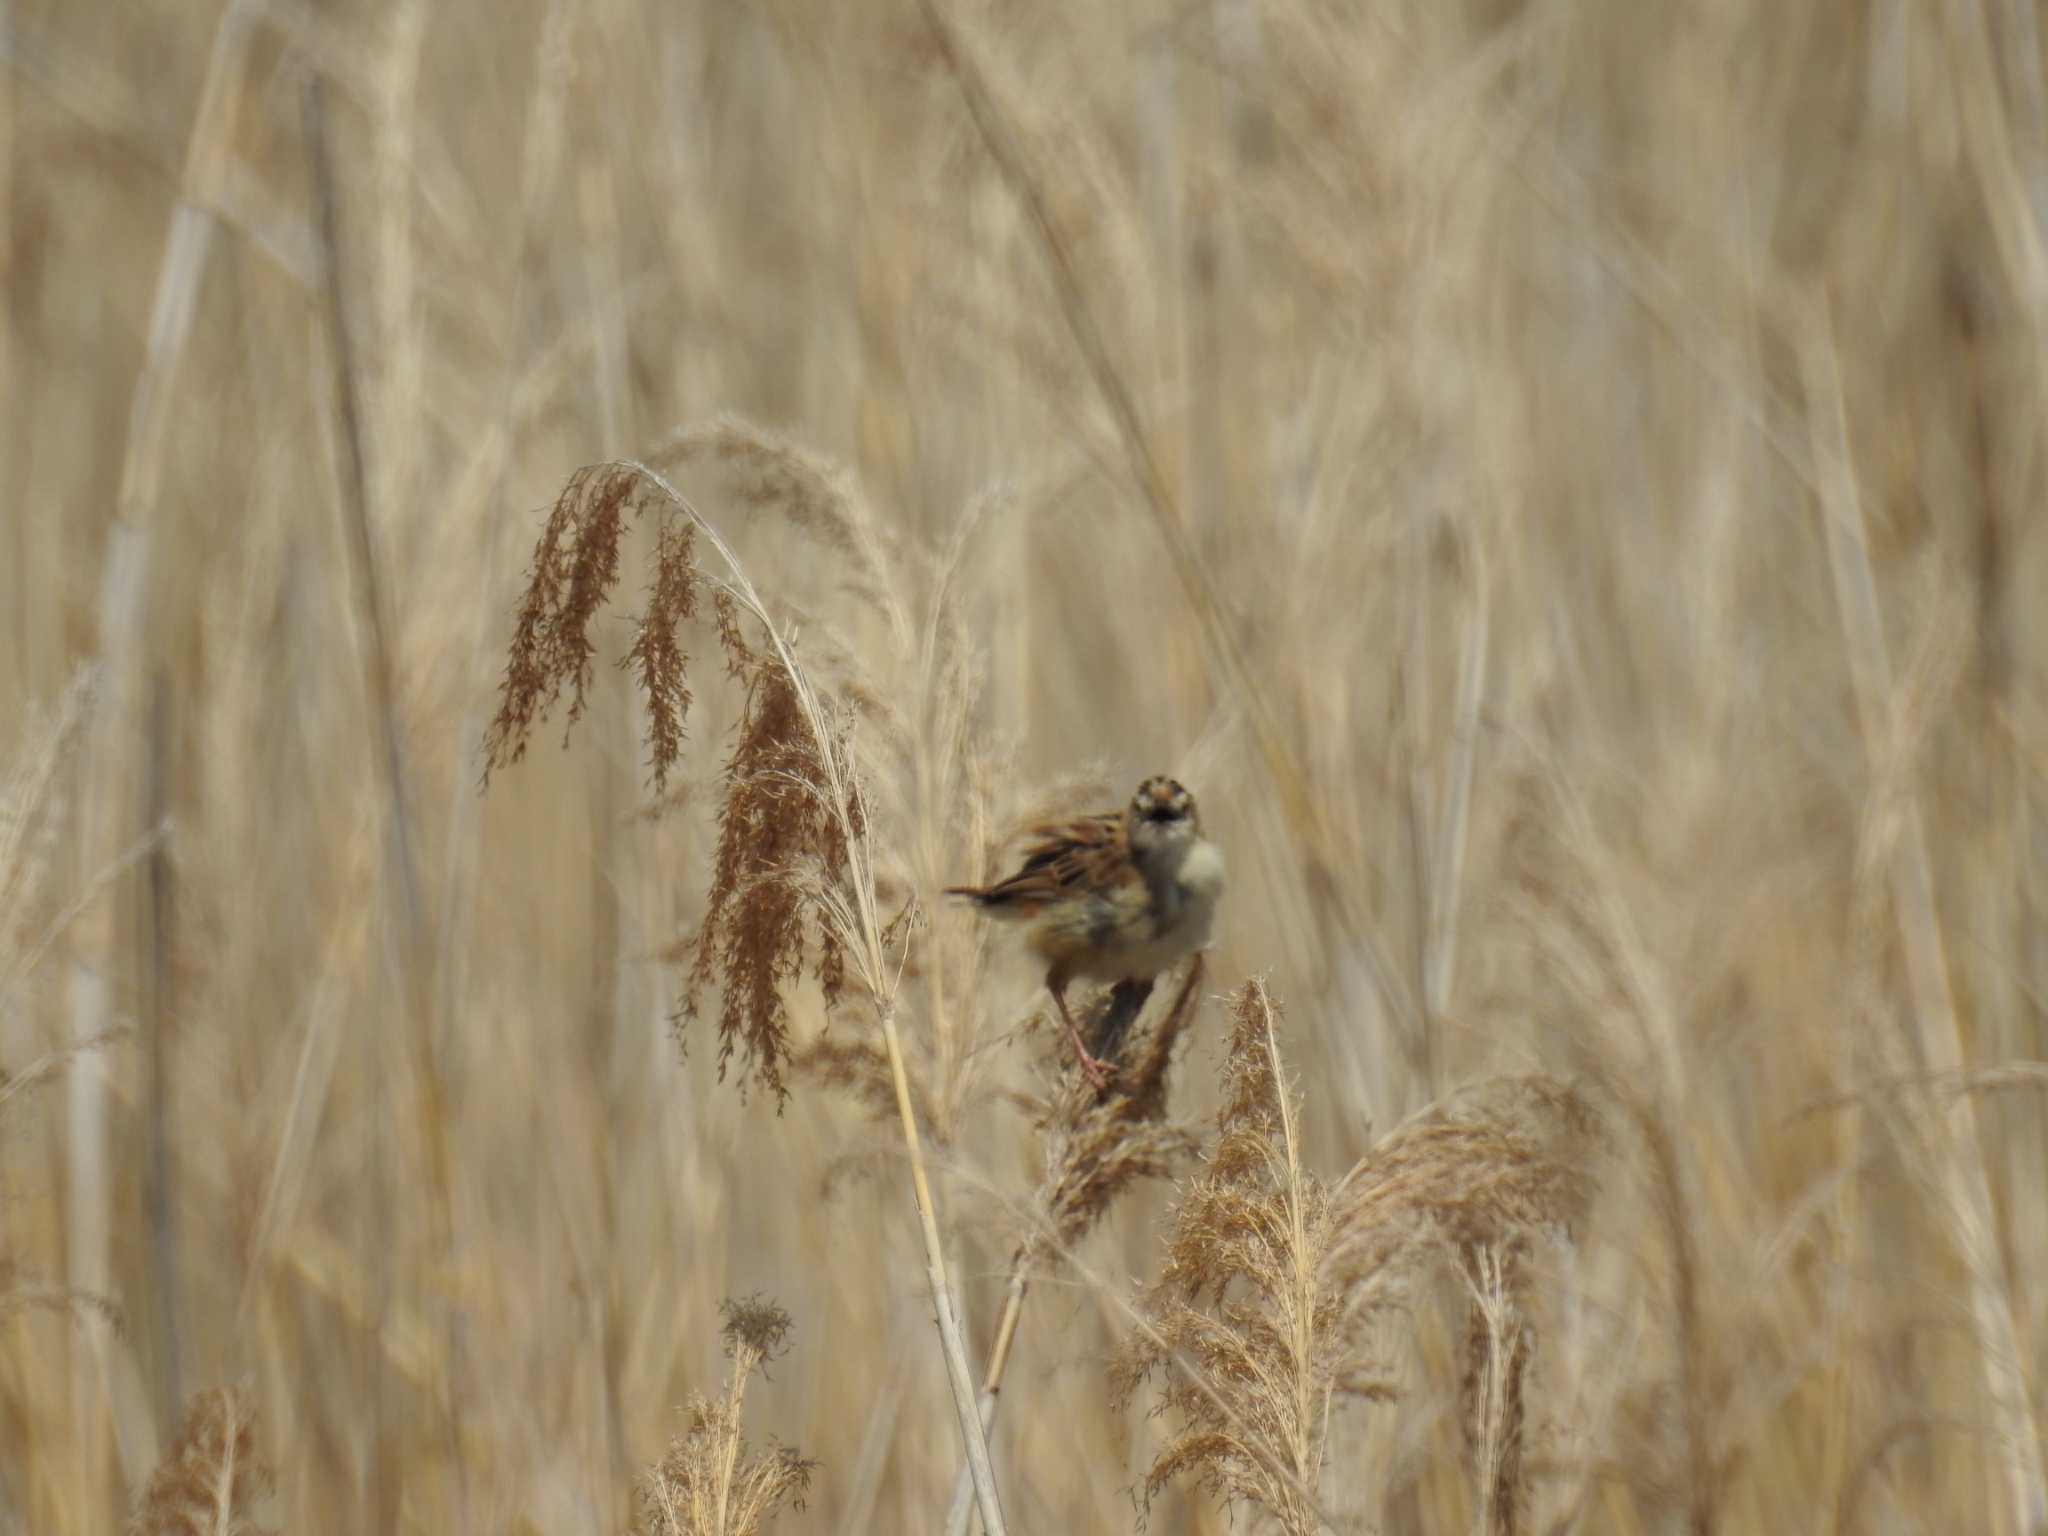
212,1478
1277,1286
709,1482
1553,478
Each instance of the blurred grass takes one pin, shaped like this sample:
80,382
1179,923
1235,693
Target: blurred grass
1532,383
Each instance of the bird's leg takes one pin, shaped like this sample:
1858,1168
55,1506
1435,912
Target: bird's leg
1098,1072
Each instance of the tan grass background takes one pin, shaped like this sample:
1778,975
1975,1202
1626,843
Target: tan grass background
1591,582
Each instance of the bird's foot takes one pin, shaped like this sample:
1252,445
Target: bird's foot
1099,1072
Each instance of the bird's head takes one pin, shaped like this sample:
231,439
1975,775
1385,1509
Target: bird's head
1162,813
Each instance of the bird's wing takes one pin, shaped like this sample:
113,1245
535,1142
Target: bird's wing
1090,853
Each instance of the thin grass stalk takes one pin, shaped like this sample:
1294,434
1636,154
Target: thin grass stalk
160,1013
1413,688
123,618
1303,1313
88,1214
128,590
12,376
735,1398
863,924
413,946
966,1404
394,288
1449,861
1939,1035
1500,1346
960,1518
193,225
479,481
355,505
864,1481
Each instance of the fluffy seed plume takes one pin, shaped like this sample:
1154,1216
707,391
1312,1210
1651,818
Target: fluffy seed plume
211,1478
710,1482
1249,1337
1501,1162
1260,1324
1477,1179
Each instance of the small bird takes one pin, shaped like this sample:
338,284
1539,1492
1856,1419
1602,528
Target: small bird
1119,896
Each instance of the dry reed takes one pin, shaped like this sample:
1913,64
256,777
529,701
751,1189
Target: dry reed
1555,477
793,886
213,1478
709,1482
1264,1322
1096,1145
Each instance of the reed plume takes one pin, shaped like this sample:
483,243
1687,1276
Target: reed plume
1360,408
575,566
1248,1335
212,1478
1260,1326
1095,1146
794,887
1476,1183
786,816
710,1481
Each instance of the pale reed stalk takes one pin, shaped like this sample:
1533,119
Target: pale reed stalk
855,913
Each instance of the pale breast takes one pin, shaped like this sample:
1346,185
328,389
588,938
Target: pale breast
1198,887
1142,940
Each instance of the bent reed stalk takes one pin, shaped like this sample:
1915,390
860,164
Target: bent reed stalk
789,795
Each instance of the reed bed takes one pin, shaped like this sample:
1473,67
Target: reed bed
538,539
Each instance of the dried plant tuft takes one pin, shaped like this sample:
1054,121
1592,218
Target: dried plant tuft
709,1482
1479,1179
794,887
756,1328
1249,1333
1260,1324
1499,1340
791,807
211,1478
575,566
786,822
816,496
1098,1144
1501,1162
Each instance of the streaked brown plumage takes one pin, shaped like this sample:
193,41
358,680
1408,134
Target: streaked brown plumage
1117,896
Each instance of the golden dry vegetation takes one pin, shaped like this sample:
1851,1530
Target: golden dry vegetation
1561,482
